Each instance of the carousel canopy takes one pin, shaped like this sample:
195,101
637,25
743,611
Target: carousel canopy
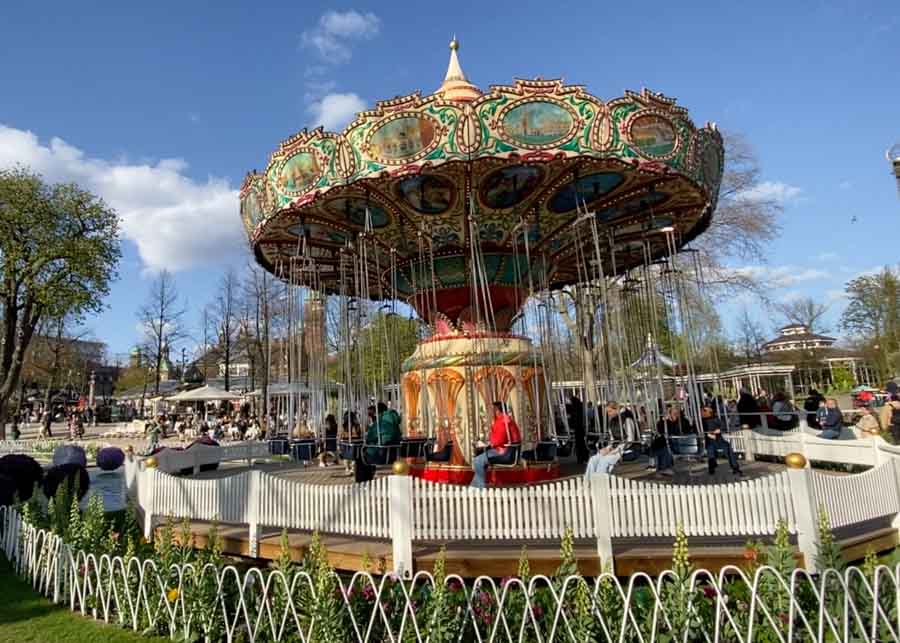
204,394
427,190
653,357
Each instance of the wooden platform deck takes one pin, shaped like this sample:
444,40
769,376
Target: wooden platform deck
488,558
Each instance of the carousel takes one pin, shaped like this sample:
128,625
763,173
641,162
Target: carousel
471,207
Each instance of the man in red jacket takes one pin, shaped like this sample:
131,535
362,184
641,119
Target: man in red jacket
504,433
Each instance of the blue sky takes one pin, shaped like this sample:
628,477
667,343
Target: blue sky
163,107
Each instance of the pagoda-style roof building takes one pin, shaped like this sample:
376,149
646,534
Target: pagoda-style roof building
795,337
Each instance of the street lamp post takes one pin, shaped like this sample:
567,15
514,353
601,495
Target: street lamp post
893,157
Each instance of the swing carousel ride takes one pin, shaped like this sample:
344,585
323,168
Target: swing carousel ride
465,205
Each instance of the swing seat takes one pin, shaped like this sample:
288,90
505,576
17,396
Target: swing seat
279,446
350,449
413,447
546,451
510,459
388,453
304,450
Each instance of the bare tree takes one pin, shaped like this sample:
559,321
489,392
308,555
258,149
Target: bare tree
161,321
225,311
806,311
258,313
743,223
749,338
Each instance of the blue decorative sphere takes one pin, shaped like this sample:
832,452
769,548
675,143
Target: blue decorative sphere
110,458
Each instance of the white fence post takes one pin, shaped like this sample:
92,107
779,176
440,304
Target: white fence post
148,496
400,490
748,445
254,488
806,513
602,517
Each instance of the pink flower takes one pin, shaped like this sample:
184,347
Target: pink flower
537,611
709,591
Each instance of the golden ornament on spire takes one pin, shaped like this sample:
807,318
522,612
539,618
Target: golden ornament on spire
456,86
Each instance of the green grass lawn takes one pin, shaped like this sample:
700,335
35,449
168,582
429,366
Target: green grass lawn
26,617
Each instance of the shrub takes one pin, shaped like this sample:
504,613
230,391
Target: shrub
7,490
69,454
76,474
110,458
24,471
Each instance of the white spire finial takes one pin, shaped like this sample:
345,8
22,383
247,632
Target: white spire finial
454,71
456,86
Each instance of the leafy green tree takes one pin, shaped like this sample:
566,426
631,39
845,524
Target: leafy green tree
59,248
381,347
873,313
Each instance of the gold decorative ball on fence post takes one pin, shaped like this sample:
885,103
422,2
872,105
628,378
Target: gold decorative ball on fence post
795,460
401,468
151,463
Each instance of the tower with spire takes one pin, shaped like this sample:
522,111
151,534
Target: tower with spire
456,86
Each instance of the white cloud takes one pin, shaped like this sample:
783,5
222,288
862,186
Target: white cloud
332,36
175,221
782,276
334,111
771,191
834,295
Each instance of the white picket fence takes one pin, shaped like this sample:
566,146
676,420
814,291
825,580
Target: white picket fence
855,499
257,605
751,507
450,512
407,510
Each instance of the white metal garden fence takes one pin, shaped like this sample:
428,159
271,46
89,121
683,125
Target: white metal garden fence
259,605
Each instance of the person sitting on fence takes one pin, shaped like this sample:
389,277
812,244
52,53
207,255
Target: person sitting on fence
832,420
868,422
504,435
605,460
382,432
783,413
712,427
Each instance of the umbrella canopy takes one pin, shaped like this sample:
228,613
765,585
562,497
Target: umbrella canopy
860,389
205,394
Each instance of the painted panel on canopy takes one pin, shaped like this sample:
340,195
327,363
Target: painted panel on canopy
318,232
251,210
353,210
427,193
450,271
508,186
631,206
590,189
401,138
537,123
298,173
653,135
